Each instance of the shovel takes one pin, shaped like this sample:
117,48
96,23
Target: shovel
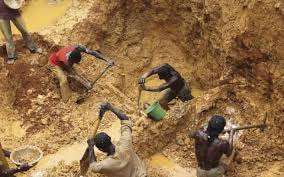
86,95
85,161
260,126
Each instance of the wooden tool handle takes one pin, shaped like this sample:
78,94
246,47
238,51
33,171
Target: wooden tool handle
247,127
139,99
97,124
101,74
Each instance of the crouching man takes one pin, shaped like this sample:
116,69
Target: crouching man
209,148
175,85
121,161
61,64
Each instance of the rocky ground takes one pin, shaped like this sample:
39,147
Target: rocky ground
231,51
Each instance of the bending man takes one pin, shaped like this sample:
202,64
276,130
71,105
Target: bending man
61,64
121,159
4,167
176,86
209,148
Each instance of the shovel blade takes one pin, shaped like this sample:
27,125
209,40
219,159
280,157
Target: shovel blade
84,163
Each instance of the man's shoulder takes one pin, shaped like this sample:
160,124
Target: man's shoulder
221,143
200,135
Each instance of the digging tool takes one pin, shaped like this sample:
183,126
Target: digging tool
85,161
260,126
83,97
139,99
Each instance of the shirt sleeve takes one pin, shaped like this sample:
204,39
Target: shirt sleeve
126,133
109,165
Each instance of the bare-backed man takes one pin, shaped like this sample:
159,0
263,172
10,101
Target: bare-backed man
209,148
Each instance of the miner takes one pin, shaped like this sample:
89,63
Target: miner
5,171
61,64
121,161
209,148
175,85
9,12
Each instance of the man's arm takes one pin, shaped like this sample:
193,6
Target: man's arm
122,116
230,144
72,73
199,135
68,68
6,153
92,156
126,124
93,53
12,171
163,86
153,71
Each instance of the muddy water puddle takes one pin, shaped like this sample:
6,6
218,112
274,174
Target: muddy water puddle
173,169
41,13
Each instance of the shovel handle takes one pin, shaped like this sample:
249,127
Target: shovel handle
138,100
96,127
102,73
246,127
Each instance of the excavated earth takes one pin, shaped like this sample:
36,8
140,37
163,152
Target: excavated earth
230,51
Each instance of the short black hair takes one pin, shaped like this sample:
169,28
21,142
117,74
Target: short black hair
164,71
75,56
215,127
102,140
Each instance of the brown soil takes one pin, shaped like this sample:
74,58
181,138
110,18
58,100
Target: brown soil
231,50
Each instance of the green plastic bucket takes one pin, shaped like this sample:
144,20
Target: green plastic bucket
155,111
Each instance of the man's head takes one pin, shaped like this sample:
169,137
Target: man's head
216,125
75,56
103,142
164,72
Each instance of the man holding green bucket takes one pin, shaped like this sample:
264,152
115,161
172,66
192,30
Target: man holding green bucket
175,85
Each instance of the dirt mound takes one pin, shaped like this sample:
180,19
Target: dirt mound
232,50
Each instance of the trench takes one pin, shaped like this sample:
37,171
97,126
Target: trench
222,48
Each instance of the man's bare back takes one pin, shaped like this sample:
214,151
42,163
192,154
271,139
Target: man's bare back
209,148
209,154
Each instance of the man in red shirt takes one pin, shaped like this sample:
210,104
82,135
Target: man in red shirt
6,16
61,64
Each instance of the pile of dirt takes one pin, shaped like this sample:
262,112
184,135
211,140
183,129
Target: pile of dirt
231,50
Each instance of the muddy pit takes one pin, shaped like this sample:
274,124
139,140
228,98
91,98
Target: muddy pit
231,51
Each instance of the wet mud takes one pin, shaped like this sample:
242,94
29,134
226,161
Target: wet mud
231,53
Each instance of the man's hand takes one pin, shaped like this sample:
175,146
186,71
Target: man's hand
110,63
104,107
24,167
81,48
91,142
89,86
141,81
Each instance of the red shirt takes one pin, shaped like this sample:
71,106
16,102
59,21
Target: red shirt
61,55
